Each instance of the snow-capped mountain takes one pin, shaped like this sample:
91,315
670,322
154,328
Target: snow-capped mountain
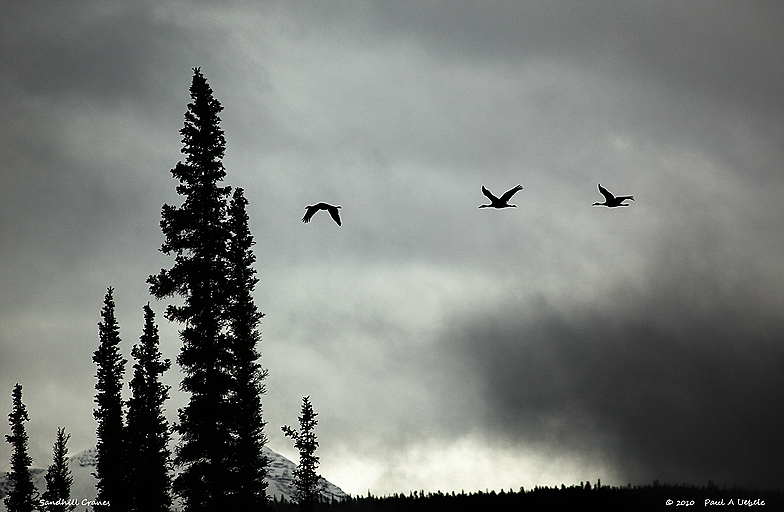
280,480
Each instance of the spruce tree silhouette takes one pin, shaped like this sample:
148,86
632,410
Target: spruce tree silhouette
147,431
110,465
245,422
58,477
306,480
211,265
22,496
196,235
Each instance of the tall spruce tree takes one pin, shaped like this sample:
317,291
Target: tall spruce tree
147,431
211,456
22,496
306,480
110,466
247,426
58,477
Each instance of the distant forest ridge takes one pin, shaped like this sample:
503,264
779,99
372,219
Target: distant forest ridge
656,496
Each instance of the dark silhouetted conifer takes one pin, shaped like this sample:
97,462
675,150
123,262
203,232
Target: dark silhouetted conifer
58,477
110,466
219,452
22,495
306,479
243,318
147,431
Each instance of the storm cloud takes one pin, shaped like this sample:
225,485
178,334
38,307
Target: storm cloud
680,383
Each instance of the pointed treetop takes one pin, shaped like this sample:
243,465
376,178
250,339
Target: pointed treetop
22,494
58,477
203,141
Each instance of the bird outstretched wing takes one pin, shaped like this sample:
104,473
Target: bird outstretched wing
606,193
309,212
509,193
333,211
489,194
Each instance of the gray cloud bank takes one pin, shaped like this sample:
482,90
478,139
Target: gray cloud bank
680,383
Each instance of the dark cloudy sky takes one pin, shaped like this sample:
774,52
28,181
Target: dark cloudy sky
443,346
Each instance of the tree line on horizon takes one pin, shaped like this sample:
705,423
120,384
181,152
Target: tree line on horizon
651,497
221,429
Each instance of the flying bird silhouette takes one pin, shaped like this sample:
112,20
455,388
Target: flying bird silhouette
503,201
312,209
610,200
